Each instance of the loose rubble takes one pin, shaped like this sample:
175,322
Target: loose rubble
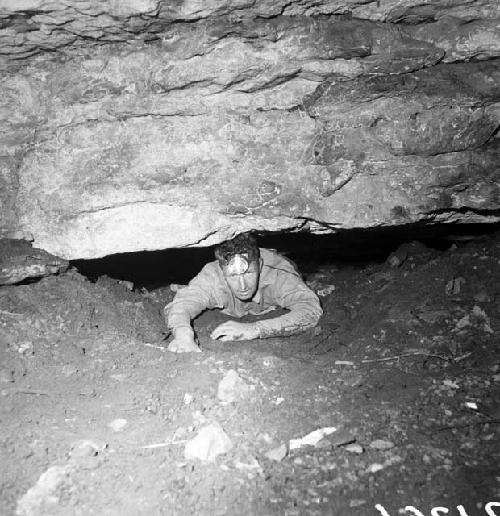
232,387
388,395
210,442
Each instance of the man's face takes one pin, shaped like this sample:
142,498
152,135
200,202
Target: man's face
242,277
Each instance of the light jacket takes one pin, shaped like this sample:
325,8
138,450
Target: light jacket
280,285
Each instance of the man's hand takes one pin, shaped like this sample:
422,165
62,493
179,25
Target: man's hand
233,330
184,342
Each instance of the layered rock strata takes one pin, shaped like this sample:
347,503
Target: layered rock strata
151,126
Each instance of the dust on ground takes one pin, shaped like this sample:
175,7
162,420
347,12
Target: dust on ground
95,414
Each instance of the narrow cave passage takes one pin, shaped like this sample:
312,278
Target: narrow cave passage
355,248
399,381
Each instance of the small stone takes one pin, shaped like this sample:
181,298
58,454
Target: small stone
86,448
25,348
380,444
354,448
69,370
374,468
344,362
188,398
127,284
312,438
43,497
6,376
117,425
325,291
277,454
266,437
174,287
232,387
395,261
454,286
340,437
451,384
210,442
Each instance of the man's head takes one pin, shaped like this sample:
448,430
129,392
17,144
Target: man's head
239,260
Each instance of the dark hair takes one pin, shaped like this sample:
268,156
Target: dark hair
244,243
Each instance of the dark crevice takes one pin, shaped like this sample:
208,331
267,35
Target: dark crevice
352,248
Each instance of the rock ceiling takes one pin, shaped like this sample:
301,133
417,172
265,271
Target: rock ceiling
131,125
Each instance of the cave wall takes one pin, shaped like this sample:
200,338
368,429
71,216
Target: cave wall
143,124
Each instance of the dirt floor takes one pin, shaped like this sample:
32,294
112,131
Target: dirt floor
95,414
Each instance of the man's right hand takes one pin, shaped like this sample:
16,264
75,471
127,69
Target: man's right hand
184,342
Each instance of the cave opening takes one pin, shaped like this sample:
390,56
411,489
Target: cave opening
345,249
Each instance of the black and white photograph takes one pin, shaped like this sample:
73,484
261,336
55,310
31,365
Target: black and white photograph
249,257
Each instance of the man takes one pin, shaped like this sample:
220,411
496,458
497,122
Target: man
243,280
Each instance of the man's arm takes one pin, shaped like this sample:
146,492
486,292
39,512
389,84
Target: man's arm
188,303
305,311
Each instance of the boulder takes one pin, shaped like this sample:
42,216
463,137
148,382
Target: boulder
19,261
151,126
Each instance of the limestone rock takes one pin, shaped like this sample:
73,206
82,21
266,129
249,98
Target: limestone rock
232,387
43,497
210,442
19,261
381,444
151,125
277,454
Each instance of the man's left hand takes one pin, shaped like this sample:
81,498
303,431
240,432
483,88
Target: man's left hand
233,330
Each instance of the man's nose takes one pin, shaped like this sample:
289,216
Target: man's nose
243,283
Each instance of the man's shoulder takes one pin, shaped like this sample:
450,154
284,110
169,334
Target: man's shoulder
273,261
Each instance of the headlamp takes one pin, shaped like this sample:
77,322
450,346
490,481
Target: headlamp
238,264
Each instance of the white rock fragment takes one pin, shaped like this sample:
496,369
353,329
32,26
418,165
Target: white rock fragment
210,442
117,425
277,454
373,468
354,448
127,284
477,318
454,286
451,384
86,448
381,444
188,398
481,316
232,387
471,405
313,438
325,291
25,348
43,497
344,362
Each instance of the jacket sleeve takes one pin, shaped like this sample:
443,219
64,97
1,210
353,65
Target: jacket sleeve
292,293
190,301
